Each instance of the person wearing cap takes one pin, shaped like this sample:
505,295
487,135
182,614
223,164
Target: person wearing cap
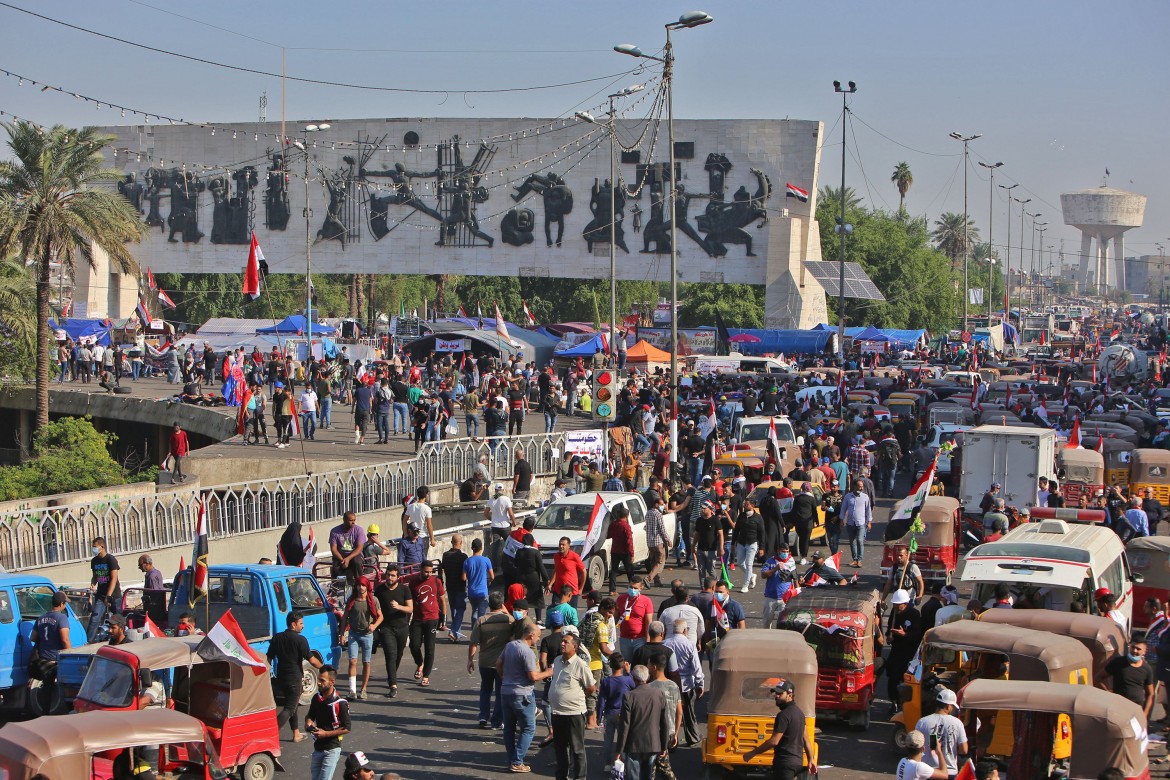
708,539
1107,606
988,500
50,633
789,741
822,572
357,767
996,519
903,635
943,729
951,610
117,626
499,511
914,766
281,414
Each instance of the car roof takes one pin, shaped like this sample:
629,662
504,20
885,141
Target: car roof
257,568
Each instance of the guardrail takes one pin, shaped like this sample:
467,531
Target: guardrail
42,537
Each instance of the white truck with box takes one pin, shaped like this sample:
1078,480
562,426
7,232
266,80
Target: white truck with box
1014,456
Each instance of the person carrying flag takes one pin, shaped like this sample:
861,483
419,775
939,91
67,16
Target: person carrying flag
903,635
822,572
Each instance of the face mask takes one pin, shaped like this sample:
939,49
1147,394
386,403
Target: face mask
96,550
634,593
1133,659
721,597
517,614
857,492
785,556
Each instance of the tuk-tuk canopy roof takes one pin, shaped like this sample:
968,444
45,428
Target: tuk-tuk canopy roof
1107,728
1033,655
1154,543
938,517
1083,457
1101,635
60,746
1148,457
1149,557
752,653
939,509
833,600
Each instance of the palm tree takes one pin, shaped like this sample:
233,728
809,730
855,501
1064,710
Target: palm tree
16,290
54,203
832,195
951,237
902,179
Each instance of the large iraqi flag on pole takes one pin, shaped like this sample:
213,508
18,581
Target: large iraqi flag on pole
596,520
198,589
918,494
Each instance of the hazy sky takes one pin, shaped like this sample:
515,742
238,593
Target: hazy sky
1059,90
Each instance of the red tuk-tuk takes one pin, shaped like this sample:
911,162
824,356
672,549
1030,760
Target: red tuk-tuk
233,702
1084,474
839,624
1148,556
937,555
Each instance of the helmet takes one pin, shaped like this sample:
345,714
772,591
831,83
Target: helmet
373,529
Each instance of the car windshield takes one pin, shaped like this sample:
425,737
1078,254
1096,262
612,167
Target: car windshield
108,684
34,600
759,432
566,517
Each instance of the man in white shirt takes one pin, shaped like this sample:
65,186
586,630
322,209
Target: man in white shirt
499,511
419,513
308,412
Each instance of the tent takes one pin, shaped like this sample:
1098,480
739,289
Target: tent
789,342
870,333
98,330
295,324
905,339
585,349
645,352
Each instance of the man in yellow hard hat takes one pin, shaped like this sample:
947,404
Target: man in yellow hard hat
373,547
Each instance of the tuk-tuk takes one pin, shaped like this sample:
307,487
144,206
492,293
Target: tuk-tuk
1148,556
1058,730
839,624
1101,635
937,555
751,465
818,531
1084,474
744,667
98,746
233,701
955,653
904,405
1149,469
1118,454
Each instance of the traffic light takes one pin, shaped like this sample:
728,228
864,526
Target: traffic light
605,395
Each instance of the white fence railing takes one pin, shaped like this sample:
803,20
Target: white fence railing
61,534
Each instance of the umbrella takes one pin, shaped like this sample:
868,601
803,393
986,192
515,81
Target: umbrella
744,338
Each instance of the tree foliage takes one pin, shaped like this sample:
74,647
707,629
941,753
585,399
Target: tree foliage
740,305
69,454
954,234
902,179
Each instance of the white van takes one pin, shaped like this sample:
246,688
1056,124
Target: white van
735,364
755,429
1052,563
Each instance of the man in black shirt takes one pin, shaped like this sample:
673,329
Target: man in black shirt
789,742
452,568
521,476
903,634
107,590
472,488
708,539
328,722
517,404
287,653
51,631
397,605
1133,677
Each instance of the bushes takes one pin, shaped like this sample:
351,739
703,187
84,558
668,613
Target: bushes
68,455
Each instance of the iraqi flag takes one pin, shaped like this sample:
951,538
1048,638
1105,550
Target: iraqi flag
792,191
198,588
150,279
978,407
841,389
1074,438
226,642
150,628
501,326
967,772
143,313
1100,446
814,579
773,439
165,299
528,313
596,521
1115,335
462,311
917,496
252,270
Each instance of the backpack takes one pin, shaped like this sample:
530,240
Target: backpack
588,628
891,451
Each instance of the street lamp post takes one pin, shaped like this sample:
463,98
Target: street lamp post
1007,257
686,21
990,224
1161,277
965,139
1040,268
843,228
1022,203
303,145
611,130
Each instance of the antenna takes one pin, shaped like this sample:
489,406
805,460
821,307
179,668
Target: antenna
263,106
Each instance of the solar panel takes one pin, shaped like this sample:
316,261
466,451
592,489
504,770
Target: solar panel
857,281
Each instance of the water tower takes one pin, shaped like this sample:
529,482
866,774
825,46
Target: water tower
1103,214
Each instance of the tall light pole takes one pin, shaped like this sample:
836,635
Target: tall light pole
1040,268
1022,203
686,21
990,223
1032,261
1161,276
1007,257
843,228
611,129
303,145
965,139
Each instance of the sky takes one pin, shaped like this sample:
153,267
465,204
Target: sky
1059,91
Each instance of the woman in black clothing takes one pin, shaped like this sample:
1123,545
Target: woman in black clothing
530,573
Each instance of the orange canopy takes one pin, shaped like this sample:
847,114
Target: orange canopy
645,352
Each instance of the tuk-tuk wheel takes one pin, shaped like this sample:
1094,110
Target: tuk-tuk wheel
259,767
308,683
898,736
861,720
45,697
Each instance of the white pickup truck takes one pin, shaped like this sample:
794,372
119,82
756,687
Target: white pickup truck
569,517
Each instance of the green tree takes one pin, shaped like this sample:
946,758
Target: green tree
68,454
53,205
740,305
18,322
953,235
832,195
902,179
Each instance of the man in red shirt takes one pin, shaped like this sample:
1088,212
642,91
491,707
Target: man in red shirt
180,448
635,613
568,569
427,593
621,550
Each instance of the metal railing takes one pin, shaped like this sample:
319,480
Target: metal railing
33,538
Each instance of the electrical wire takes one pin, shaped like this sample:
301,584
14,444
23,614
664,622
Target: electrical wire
320,82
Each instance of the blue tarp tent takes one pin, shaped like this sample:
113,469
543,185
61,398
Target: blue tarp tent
790,342
584,349
296,324
904,339
76,329
870,333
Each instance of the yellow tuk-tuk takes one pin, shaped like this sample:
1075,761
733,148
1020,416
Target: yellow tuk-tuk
956,653
818,531
1101,635
1150,470
744,667
1058,730
745,460
1084,474
903,405
1118,454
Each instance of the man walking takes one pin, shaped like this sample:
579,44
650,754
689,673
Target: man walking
748,532
857,512
328,721
789,742
643,732
107,591
179,449
489,635
287,654
397,606
308,411
518,672
690,674
572,682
